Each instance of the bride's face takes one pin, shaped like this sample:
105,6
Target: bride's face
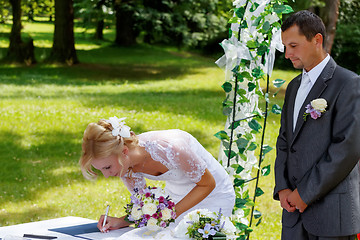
110,166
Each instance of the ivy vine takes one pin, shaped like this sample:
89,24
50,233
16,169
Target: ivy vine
249,57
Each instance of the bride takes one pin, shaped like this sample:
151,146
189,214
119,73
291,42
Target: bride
194,178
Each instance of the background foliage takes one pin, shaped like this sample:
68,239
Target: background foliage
44,110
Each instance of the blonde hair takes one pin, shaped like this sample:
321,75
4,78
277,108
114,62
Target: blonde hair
98,142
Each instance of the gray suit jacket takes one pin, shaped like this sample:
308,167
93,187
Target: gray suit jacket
321,157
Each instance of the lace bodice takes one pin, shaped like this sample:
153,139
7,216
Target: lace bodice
177,150
186,160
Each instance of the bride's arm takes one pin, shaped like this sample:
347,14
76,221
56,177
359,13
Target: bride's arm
202,189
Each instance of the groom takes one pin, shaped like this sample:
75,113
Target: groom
317,174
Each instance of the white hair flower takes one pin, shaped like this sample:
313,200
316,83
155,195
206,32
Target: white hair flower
119,127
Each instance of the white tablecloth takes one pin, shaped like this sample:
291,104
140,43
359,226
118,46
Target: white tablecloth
143,233
42,228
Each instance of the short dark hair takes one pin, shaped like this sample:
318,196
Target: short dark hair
309,24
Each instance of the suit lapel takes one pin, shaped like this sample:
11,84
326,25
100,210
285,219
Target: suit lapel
315,92
290,112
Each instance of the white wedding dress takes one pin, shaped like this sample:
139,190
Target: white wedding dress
186,160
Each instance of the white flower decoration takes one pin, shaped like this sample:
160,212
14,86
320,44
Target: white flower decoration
166,214
152,224
149,208
136,212
119,127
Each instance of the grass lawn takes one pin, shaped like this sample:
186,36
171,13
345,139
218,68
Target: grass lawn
44,110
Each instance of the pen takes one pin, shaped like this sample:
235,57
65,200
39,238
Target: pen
106,214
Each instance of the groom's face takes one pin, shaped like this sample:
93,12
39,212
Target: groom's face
301,52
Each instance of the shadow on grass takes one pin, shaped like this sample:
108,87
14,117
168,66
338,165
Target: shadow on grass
26,173
105,64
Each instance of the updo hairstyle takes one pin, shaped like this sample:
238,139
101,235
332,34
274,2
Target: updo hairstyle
98,142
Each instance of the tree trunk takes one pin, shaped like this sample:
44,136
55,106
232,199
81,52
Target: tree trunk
100,21
125,31
329,14
19,51
63,50
99,30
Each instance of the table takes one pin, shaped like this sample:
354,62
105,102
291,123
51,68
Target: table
66,228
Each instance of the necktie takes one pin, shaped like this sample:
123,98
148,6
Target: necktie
302,93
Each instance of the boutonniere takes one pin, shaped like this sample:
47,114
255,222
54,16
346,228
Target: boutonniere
315,108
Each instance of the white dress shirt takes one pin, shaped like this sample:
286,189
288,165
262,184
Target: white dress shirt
306,86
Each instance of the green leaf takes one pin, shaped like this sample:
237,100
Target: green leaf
233,20
234,125
240,203
266,26
257,214
265,170
262,50
288,9
257,72
239,169
241,144
238,182
278,82
279,8
276,109
258,192
232,154
252,146
227,87
244,24
222,135
257,224
251,86
246,75
266,149
241,226
249,203
251,44
253,124
242,92
254,6
240,12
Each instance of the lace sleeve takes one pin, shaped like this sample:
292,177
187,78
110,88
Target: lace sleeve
188,159
133,181
177,149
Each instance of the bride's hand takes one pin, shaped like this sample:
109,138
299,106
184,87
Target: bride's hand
111,223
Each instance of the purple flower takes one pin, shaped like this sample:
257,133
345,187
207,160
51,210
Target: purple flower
163,224
315,114
161,199
173,214
208,230
135,200
161,206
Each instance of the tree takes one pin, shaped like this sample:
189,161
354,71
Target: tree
126,32
19,51
329,14
63,50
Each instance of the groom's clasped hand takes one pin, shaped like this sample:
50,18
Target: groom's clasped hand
291,201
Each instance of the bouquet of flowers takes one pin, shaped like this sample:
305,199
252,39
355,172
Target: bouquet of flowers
150,207
202,224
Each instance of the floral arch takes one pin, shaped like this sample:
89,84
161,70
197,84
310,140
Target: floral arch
254,36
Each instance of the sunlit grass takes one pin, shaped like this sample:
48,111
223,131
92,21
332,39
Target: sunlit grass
44,110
